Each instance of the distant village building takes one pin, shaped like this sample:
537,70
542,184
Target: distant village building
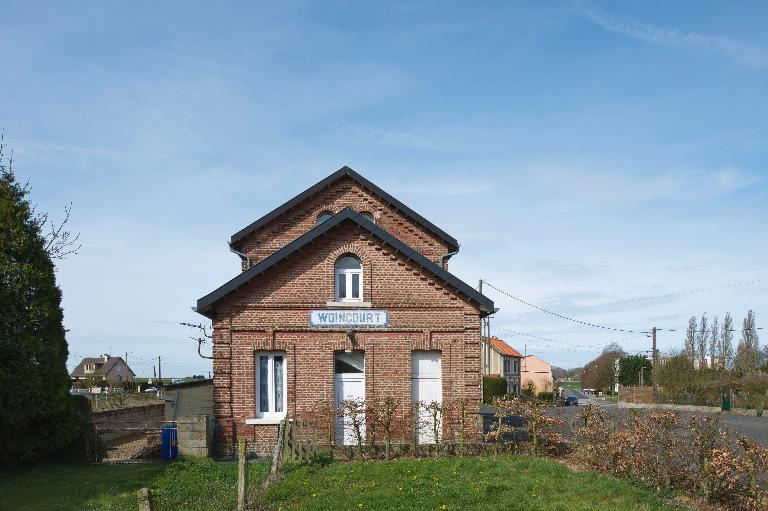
505,361
538,372
105,367
344,294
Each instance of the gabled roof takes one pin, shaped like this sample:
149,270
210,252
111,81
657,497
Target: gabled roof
347,214
348,172
102,367
504,348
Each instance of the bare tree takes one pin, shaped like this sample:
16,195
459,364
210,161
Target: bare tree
748,351
726,341
690,339
714,344
59,241
702,338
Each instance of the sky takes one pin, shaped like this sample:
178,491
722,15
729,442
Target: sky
605,161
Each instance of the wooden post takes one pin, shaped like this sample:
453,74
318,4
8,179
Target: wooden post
277,457
287,440
145,500
242,479
415,428
314,441
299,438
295,440
655,370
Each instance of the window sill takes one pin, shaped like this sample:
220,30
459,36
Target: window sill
265,421
352,305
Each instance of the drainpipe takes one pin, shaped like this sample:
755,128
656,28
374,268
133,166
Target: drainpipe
446,256
243,256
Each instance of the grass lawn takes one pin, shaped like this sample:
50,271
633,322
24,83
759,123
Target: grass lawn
198,485
573,385
508,483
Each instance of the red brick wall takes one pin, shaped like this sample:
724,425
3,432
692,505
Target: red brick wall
343,193
272,313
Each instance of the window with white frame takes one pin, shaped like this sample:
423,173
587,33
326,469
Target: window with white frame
270,384
349,279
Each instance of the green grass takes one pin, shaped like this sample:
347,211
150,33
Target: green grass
508,483
199,485
573,385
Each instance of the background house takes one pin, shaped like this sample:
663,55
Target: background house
505,361
104,367
536,371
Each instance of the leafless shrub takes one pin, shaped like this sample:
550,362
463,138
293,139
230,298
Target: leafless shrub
662,450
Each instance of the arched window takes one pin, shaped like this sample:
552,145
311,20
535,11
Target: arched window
349,279
322,217
368,216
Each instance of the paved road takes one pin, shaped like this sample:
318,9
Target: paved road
752,427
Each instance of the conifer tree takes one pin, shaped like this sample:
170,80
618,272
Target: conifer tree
38,417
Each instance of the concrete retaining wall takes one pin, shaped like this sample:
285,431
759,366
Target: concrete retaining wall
125,422
194,436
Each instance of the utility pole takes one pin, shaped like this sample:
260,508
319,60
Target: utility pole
655,373
159,372
126,358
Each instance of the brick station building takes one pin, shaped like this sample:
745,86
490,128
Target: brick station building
344,294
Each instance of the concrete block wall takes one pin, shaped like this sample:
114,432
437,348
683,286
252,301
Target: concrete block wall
194,436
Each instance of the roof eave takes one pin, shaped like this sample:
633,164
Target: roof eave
449,240
205,304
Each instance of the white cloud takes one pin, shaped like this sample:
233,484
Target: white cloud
364,134
623,187
750,55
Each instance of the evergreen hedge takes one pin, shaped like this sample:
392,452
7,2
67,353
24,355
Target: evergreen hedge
493,386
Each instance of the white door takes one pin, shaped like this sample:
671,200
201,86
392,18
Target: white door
427,385
349,384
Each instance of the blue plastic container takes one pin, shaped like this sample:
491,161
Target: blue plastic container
169,442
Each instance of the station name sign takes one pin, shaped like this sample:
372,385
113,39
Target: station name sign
348,318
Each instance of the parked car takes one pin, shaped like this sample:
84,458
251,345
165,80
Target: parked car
571,401
150,389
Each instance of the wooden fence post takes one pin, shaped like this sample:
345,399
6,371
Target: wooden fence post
242,479
277,457
314,441
145,499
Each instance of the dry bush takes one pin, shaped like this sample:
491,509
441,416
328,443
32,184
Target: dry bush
662,450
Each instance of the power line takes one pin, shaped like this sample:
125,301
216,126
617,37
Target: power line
569,344
668,295
595,325
585,323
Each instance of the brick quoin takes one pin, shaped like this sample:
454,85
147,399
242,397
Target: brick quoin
270,312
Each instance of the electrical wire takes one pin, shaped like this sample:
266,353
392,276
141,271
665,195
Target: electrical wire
585,323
